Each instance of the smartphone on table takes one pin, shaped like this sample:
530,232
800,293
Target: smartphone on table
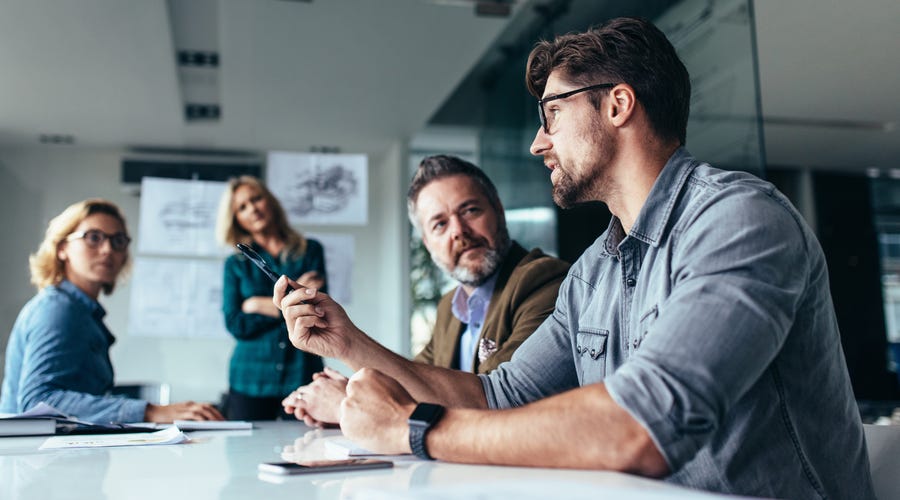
316,466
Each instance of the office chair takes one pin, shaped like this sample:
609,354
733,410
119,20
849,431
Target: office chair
883,443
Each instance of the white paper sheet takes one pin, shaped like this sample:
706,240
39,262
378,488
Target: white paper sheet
320,188
341,447
178,217
172,435
176,298
339,249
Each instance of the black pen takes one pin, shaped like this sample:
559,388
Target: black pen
260,263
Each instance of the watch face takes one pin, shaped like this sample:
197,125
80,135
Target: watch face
426,413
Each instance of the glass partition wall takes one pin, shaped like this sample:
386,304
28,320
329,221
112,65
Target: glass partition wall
491,120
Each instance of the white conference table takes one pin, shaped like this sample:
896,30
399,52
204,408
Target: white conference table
223,465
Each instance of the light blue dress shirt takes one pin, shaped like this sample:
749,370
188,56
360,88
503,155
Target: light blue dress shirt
58,353
470,310
712,324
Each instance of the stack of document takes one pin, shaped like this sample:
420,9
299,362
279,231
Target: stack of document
27,426
44,419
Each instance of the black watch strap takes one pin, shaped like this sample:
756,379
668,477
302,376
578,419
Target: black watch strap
420,422
417,442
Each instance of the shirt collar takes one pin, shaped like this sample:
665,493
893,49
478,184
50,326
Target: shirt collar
462,301
654,216
82,298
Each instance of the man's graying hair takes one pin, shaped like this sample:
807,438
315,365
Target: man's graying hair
432,168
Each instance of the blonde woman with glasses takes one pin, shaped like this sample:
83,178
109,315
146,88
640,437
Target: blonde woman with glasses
58,351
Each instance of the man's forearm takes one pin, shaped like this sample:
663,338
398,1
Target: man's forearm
583,429
451,388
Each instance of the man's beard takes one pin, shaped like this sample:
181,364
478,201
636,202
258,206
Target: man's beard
569,191
493,257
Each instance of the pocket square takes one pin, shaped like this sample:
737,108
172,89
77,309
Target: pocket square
486,349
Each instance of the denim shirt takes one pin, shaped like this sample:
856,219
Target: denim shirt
712,324
58,353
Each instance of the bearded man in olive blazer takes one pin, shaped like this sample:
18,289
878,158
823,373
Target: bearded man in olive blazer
504,291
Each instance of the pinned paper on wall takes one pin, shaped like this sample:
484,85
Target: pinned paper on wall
338,264
177,298
178,217
320,188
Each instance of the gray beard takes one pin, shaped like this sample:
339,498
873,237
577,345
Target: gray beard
492,259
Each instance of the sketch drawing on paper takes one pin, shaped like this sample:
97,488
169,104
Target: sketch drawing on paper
320,188
178,217
324,191
186,215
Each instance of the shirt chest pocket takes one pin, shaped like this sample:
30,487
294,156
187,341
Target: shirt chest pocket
590,354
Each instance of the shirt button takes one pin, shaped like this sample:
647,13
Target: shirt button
279,367
630,282
282,345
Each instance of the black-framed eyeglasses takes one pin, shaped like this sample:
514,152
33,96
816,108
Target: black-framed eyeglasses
95,238
543,114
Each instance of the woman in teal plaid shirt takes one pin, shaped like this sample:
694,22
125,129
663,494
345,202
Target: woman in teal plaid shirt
265,367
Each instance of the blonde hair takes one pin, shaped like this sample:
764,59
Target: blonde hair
46,267
229,232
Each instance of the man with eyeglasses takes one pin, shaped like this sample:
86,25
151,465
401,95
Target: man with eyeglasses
694,341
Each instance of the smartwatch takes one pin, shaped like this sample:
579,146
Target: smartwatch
420,422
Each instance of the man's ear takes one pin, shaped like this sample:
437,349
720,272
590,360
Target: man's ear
622,101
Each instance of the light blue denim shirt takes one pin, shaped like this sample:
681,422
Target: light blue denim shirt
58,353
712,324
470,310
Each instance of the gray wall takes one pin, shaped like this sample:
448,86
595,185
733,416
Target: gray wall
38,183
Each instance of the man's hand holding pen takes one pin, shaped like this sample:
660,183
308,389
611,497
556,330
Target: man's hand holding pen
316,323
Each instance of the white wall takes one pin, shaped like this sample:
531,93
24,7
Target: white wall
38,183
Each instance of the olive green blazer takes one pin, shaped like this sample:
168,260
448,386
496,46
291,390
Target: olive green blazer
524,295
